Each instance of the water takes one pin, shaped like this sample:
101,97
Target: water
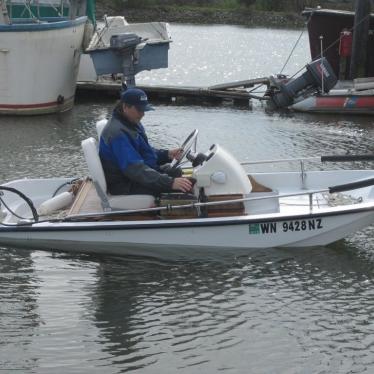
271,311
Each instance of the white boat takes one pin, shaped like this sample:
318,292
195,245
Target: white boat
147,48
227,210
39,59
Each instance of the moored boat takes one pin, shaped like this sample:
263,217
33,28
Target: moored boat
345,39
39,57
118,48
228,210
340,77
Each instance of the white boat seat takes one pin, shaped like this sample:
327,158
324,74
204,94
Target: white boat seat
116,202
128,202
100,127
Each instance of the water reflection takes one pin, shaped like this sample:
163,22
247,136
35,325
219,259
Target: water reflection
152,314
19,317
156,310
86,313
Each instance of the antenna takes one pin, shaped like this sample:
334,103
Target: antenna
323,76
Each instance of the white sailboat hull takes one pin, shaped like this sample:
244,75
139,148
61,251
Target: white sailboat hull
39,66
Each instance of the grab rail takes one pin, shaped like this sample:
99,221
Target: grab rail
310,193
329,158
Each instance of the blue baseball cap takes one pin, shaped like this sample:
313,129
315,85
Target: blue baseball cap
137,98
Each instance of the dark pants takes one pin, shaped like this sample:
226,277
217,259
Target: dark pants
134,188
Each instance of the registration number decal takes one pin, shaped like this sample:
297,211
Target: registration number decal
286,226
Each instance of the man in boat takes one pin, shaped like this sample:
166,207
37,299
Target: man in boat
131,165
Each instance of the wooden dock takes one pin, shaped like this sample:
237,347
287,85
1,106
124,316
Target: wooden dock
234,91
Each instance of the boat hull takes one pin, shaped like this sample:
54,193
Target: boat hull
39,66
349,104
295,223
181,238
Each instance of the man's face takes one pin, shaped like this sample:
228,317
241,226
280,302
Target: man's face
133,115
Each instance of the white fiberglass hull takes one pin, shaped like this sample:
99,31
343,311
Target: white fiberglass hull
39,66
294,225
178,238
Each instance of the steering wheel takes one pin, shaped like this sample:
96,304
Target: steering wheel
186,147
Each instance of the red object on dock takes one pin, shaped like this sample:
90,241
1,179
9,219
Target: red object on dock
345,46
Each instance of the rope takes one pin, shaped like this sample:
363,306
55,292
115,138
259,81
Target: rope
56,9
65,184
100,33
31,14
297,42
289,56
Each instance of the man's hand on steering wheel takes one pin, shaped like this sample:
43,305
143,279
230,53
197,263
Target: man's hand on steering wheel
182,184
185,148
175,153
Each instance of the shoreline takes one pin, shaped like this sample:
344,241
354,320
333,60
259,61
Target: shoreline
205,16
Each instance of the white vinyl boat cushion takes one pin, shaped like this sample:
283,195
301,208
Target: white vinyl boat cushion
95,168
100,127
128,202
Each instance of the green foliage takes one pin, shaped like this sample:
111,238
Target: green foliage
281,5
261,5
224,4
139,3
229,4
246,3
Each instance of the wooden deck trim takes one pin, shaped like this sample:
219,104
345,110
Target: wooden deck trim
87,200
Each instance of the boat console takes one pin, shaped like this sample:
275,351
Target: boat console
220,177
221,174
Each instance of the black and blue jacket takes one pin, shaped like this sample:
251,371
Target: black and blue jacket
130,164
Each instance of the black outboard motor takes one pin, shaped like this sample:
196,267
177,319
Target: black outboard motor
319,76
124,40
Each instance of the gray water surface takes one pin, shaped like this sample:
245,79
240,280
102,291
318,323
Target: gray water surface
270,311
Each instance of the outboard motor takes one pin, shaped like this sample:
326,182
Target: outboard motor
119,57
124,40
319,76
